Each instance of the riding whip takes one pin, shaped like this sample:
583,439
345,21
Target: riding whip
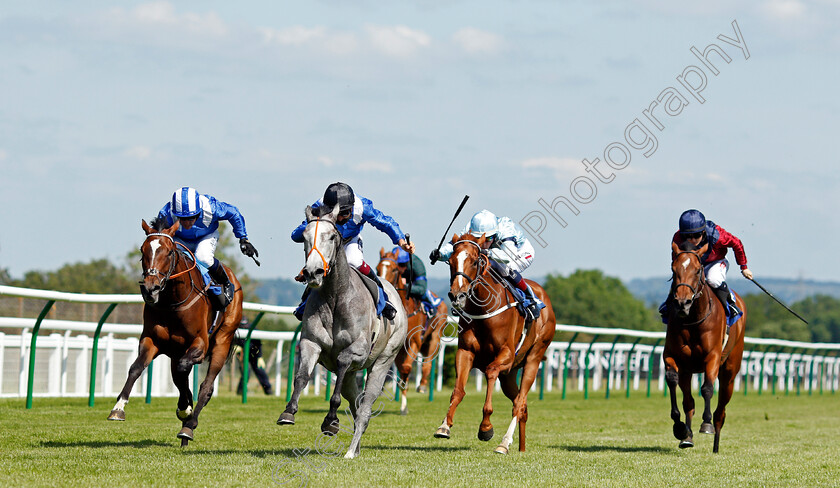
457,212
410,264
777,300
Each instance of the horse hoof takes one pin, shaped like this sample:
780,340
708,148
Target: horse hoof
689,442
707,428
117,415
443,433
403,411
681,431
485,435
185,414
186,434
286,418
501,450
329,429
421,389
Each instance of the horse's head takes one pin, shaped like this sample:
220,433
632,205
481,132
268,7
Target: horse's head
466,264
321,244
157,257
688,276
387,268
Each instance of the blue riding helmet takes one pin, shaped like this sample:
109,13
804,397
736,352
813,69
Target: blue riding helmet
692,222
402,255
185,203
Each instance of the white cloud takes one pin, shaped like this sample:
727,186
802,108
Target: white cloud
476,41
326,161
155,17
138,152
374,167
397,41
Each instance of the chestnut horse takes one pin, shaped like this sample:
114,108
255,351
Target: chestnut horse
697,342
178,322
423,332
490,338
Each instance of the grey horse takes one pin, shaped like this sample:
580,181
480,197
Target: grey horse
341,331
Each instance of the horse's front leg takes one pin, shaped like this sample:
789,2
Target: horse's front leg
672,377
375,382
184,410
218,358
147,351
688,408
463,364
305,362
503,360
707,390
342,375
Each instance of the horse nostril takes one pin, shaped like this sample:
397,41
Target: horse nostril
319,272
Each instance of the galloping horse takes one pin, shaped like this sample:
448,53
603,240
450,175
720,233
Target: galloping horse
697,342
492,338
341,330
423,332
178,322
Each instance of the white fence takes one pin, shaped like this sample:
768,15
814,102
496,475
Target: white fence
63,359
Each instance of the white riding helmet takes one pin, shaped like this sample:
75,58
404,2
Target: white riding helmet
484,222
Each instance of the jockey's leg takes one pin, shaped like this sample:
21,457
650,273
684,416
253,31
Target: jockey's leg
205,254
355,258
298,313
219,275
716,278
532,304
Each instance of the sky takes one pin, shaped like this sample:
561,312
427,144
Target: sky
108,107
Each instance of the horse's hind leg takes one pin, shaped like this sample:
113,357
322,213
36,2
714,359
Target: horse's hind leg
707,390
727,386
147,351
429,349
511,390
373,388
304,365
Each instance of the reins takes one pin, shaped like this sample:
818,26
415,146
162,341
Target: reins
482,271
172,265
695,293
315,245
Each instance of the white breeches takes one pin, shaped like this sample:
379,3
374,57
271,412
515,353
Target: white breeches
353,250
716,273
204,248
516,259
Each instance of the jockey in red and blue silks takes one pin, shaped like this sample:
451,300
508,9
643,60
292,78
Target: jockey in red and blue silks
510,253
199,216
354,212
695,229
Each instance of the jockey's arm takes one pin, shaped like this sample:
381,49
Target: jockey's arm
226,211
383,223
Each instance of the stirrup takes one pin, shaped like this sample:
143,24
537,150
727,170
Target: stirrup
298,313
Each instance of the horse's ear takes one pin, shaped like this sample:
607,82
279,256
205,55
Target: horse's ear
703,249
308,212
148,230
482,239
674,247
334,213
172,230
456,238
382,252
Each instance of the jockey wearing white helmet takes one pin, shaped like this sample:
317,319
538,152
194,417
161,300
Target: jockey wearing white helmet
509,250
199,216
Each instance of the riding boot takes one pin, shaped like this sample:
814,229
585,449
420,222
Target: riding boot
389,312
536,304
722,292
219,275
298,313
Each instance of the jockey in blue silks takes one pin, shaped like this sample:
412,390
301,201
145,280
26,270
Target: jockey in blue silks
510,253
199,216
354,212
417,282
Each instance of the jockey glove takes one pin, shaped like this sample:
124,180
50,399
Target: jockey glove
434,256
247,248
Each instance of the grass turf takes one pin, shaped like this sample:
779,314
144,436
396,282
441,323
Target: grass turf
781,440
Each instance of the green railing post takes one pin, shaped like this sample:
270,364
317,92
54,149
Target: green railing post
30,381
796,381
650,369
542,379
610,365
246,356
627,367
566,364
291,373
196,384
586,368
95,350
329,385
149,381
764,355
433,379
811,372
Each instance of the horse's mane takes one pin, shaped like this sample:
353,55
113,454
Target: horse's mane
158,224
687,246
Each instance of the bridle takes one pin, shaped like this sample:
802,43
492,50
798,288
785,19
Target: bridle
482,266
396,280
694,293
327,266
172,262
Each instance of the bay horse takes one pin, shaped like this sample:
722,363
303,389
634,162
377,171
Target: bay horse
423,332
178,321
696,341
490,338
341,331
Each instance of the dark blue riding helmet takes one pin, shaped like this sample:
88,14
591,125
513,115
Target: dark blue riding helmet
402,255
339,194
692,222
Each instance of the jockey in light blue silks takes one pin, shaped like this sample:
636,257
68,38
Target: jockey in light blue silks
199,216
509,250
354,212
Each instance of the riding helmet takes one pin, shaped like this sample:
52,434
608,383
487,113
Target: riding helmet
692,221
484,222
402,255
185,203
339,194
